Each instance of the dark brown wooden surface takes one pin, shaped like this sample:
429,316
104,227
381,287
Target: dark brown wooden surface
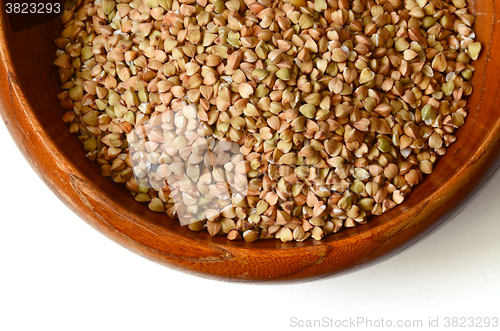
29,107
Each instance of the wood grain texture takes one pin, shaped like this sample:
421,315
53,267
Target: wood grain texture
30,109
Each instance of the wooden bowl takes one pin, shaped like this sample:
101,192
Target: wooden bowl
28,90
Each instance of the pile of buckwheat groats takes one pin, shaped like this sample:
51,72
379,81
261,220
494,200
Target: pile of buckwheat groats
266,119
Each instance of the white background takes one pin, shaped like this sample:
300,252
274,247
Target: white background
57,273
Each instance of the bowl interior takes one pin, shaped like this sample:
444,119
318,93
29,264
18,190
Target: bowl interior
33,52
